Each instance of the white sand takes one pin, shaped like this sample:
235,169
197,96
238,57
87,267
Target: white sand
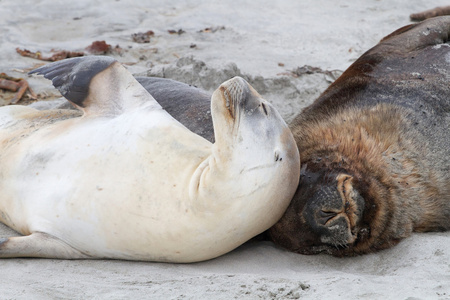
257,36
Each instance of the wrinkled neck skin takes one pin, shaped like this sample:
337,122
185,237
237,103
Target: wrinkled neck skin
229,154
250,158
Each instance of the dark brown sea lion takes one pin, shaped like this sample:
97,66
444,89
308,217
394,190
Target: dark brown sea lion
375,149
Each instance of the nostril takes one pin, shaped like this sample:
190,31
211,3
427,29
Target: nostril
325,216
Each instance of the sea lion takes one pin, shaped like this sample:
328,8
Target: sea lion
127,181
375,149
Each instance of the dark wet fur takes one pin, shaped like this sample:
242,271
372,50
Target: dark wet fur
386,122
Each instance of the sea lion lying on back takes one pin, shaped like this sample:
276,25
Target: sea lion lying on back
127,181
374,147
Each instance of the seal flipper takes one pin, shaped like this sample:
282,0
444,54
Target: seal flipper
98,85
38,244
189,105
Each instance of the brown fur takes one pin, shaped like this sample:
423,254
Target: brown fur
375,151
431,13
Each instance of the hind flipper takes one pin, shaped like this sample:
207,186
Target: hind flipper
98,85
38,244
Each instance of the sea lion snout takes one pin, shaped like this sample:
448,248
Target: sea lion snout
334,211
238,95
232,91
325,213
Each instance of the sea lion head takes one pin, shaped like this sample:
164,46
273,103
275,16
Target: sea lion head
242,118
325,215
255,147
236,104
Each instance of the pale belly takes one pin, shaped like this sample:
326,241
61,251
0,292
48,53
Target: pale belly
110,191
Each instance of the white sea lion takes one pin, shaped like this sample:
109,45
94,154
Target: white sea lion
127,181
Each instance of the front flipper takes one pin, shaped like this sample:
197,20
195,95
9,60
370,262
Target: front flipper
38,244
98,85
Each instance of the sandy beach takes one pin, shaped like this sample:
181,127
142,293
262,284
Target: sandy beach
290,51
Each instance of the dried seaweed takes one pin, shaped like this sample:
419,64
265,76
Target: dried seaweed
142,37
98,48
59,55
179,31
212,29
18,85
